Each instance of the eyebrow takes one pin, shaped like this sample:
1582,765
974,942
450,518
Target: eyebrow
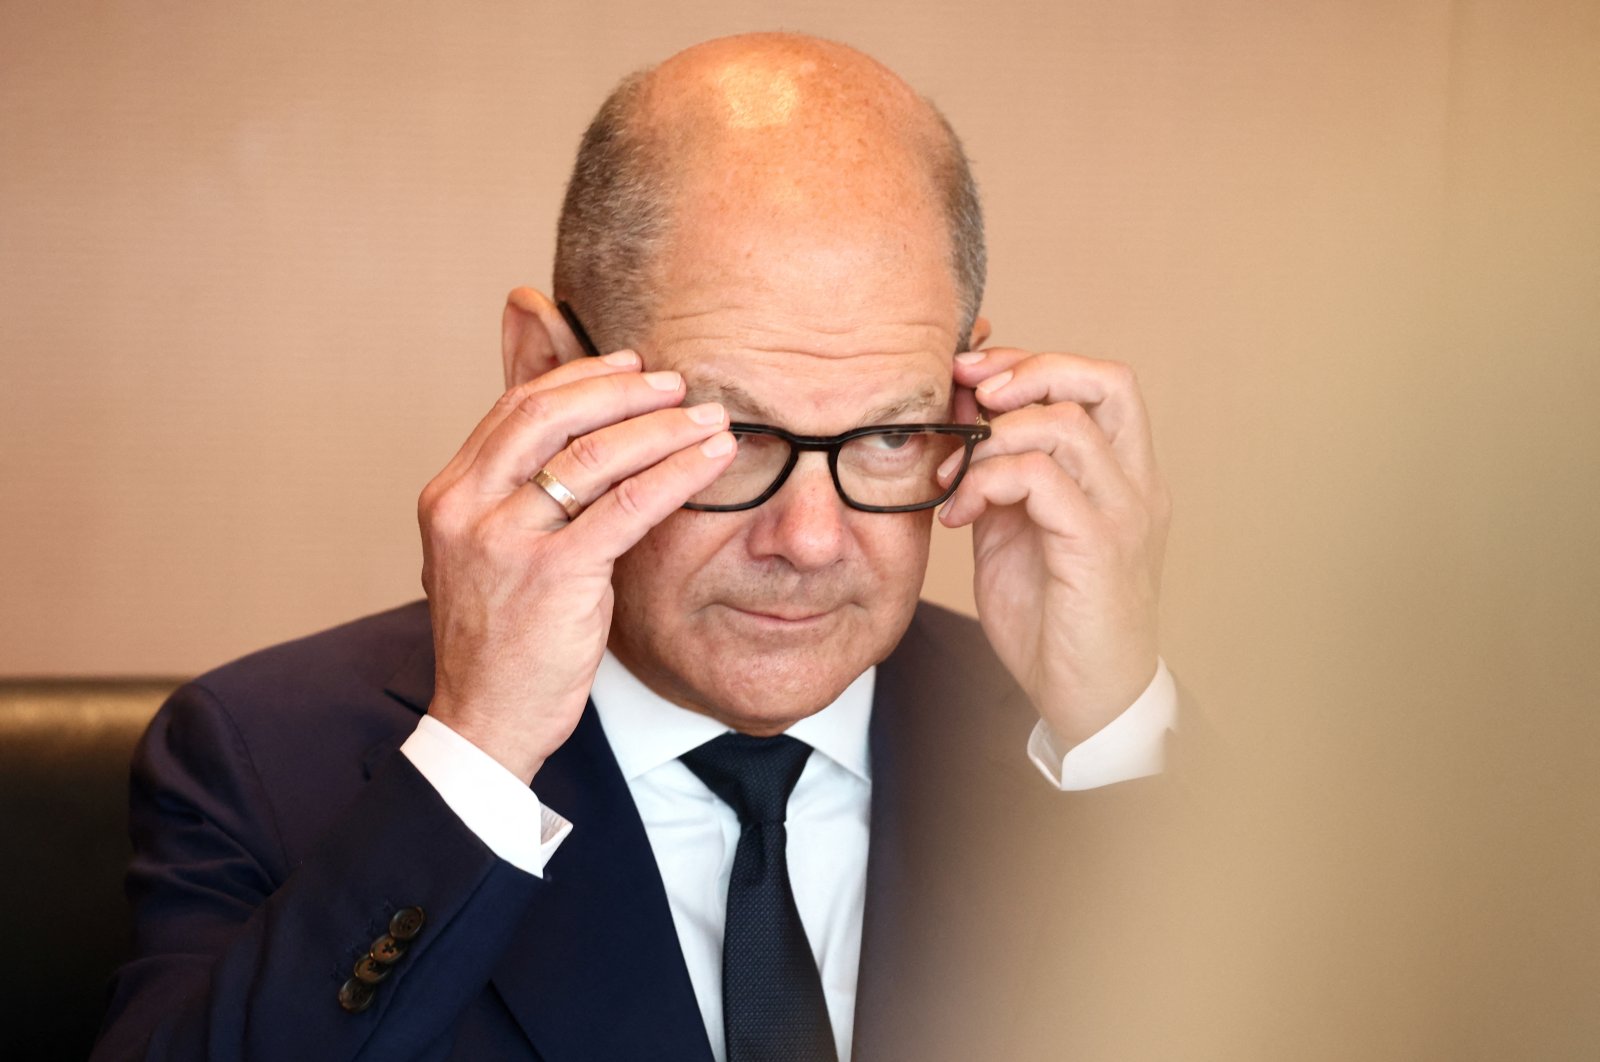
731,394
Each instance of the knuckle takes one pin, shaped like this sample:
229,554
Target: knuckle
534,405
590,452
442,515
510,398
427,501
631,499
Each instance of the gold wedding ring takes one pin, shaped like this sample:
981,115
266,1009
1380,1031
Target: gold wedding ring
558,491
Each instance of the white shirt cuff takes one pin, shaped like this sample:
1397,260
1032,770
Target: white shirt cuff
491,801
1130,746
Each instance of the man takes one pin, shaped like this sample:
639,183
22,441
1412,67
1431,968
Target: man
773,243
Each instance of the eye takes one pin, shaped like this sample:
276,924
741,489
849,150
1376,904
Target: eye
891,440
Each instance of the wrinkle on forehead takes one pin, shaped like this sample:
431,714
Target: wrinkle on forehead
925,400
802,341
819,393
823,335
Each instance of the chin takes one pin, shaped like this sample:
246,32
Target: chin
775,674
758,674
769,696
758,682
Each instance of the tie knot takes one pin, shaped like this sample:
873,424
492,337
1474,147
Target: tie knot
752,775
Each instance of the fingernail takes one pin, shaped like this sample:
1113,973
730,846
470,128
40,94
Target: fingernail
994,383
944,510
623,358
706,413
948,469
663,381
717,445
971,357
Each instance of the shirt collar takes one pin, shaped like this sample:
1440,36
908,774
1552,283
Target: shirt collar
646,730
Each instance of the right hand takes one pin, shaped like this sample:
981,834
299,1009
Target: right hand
520,596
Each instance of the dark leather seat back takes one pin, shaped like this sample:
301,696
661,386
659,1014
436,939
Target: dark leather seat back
64,751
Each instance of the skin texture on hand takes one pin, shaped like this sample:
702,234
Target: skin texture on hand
520,595
1069,518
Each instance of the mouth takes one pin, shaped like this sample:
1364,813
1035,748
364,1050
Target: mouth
778,617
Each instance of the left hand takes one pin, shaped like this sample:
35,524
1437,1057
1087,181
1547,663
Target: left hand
1069,520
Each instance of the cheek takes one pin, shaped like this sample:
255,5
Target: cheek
898,547
660,572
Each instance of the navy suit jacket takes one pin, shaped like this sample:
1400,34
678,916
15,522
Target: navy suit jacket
277,827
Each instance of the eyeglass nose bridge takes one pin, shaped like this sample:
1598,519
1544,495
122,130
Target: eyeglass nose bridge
797,446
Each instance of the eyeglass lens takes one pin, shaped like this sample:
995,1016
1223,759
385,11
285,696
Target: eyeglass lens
890,469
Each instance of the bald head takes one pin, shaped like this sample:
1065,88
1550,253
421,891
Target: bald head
799,132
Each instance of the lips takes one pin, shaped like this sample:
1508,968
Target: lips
783,614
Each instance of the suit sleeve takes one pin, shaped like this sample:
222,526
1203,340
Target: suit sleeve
241,954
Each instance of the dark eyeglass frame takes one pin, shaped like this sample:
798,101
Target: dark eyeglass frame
971,435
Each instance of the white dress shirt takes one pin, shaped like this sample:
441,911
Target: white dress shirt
693,834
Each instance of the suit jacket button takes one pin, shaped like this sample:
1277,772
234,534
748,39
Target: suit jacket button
355,996
406,923
386,949
370,971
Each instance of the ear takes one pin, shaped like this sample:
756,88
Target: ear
533,337
980,333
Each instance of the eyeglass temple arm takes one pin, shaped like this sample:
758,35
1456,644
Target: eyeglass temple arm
578,331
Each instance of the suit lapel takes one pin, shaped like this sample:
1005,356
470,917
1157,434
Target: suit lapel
595,971
888,922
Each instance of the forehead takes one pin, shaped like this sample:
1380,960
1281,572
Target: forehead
827,316
827,404
813,376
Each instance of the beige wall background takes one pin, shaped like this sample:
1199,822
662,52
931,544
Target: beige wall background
253,256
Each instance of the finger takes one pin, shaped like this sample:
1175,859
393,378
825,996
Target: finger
1108,390
542,423
964,406
623,515
975,366
623,361
1053,499
593,463
1072,439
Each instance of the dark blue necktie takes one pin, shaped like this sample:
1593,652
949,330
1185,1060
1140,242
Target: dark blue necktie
773,1009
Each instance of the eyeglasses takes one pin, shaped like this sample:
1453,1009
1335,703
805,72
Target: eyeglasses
884,468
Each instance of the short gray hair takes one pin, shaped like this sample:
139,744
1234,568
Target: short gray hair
615,215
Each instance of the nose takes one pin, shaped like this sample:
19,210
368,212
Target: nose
804,523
